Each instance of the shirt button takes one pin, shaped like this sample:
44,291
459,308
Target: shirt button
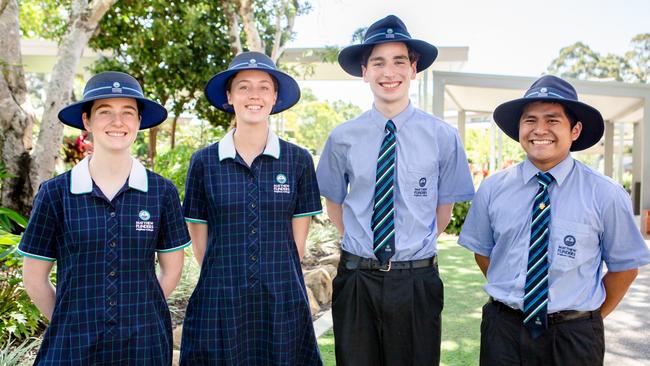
112,213
112,274
253,205
112,303
112,244
253,258
253,230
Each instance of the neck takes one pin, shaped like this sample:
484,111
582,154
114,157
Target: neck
390,110
108,165
251,139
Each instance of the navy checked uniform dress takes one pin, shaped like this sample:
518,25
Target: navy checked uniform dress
250,305
109,309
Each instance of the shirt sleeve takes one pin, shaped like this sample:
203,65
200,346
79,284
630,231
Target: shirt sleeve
622,244
308,200
454,180
332,181
173,234
195,203
40,237
476,234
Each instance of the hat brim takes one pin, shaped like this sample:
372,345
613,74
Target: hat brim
152,113
350,57
288,90
508,114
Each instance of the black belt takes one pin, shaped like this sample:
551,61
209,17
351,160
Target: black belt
553,318
351,261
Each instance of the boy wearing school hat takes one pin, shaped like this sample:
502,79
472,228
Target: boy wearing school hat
104,223
390,177
541,231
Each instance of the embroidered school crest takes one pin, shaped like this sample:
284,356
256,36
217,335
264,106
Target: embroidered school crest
144,224
281,185
568,250
422,190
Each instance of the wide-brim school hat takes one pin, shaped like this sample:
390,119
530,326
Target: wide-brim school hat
552,89
288,89
114,84
389,29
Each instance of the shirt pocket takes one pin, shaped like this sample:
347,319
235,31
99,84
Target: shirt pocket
421,183
571,244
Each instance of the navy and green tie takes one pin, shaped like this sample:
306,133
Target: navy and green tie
383,223
536,288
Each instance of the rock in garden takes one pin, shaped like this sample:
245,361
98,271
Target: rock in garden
320,283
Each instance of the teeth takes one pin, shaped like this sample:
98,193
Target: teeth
542,142
254,107
390,85
116,134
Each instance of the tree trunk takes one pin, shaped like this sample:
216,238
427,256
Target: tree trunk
253,39
153,134
84,21
173,132
233,28
16,118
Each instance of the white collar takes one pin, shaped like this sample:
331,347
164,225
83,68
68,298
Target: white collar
82,183
227,146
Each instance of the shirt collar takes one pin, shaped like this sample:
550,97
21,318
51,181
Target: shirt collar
559,172
227,146
399,120
81,182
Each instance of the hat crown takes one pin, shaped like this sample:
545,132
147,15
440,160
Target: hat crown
111,83
552,87
252,60
388,27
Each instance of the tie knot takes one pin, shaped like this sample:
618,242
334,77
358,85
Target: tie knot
390,126
545,178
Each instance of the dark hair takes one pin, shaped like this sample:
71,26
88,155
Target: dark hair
413,55
87,107
232,77
570,115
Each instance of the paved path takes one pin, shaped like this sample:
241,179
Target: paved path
627,329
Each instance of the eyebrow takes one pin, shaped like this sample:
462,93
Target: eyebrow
381,58
109,106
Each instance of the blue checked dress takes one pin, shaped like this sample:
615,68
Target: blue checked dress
110,309
250,305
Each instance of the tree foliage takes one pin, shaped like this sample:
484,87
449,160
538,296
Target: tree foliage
579,61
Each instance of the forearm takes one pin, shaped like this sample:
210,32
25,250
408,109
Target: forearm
300,226
199,236
483,263
616,286
43,295
171,267
443,216
335,214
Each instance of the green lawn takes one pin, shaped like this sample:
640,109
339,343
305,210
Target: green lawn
461,317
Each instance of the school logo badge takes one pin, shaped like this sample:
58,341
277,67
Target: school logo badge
144,224
422,190
567,250
281,186
116,88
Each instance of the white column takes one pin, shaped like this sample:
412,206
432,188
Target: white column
609,149
438,96
462,116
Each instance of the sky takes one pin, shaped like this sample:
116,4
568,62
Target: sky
504,36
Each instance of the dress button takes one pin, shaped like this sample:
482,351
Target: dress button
253,205
112,303
112,274
112,244
112,213
253,230
253,258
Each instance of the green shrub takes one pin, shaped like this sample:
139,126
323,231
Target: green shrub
458,217
18,354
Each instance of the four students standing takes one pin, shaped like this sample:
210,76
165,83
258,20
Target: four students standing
390,178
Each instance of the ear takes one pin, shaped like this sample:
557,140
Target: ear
414,69
228,97
275,97
576,130
86,121
364,70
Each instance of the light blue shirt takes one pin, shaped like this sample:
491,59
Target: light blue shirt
431,170
591,222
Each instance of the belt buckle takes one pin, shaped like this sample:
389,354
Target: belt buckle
389,266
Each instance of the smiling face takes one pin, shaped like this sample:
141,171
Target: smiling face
252,94
545,133
389,72
114,124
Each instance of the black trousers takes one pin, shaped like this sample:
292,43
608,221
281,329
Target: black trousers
387,318
505,341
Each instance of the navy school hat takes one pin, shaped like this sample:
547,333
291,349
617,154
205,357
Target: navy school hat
388,29
114,84
550,88
288,89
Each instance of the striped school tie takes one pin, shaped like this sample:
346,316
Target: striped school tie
383,224
536,289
